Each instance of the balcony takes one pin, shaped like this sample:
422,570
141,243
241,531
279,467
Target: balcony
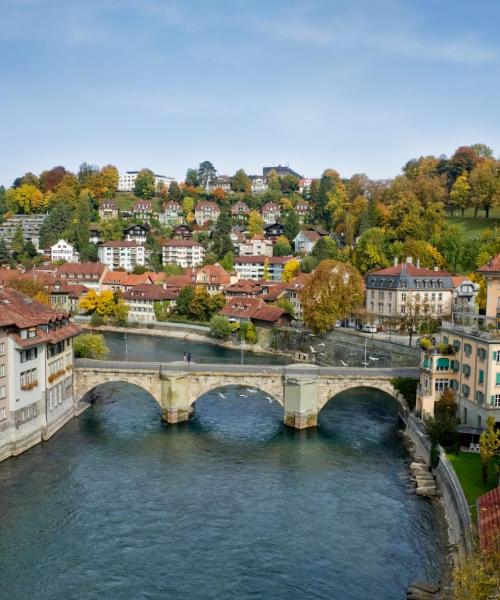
479,326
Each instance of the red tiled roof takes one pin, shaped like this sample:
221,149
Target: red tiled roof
122,244
456,280
493,266
149,291
412,270
181,243
272,260
489,516
268,313
206,204
88,269
242,307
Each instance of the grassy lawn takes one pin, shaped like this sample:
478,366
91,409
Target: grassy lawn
467,466
125,201
473,227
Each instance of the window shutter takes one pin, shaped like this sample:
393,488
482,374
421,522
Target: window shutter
492,400
497,380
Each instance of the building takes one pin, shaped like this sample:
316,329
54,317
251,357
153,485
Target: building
137,233
36,372
302,208
305,185
274,231
30,226
256,246
240,211
172,214
259,183
63,250
122,255
206,212
126,181
108,210
390,292
305,241
466,359
281,171
222,182
121,281
185,253
255,267
182,232
212,277
89,274
271,212
465,293
256,311
143,209
142,299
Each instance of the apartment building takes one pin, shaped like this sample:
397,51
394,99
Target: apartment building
390,291
122,255
256,246
185,253
271,212
240,210
260,267
88,274
126,181
172,214
36,378
259,183
466,359
108,210
137,233
143,209
305,241
63,250
141,301
29,224
206,212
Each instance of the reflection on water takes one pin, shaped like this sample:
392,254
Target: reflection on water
229,505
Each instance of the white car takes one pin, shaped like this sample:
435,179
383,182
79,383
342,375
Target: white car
369,329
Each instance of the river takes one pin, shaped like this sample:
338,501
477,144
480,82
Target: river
231,505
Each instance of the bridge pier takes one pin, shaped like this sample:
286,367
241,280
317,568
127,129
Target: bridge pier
175,393
300,399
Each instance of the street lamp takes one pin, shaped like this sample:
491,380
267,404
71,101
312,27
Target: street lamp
126,346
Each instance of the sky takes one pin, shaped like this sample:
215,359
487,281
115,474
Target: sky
360,86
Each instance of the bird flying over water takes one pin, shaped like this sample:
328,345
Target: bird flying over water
343,363
222,395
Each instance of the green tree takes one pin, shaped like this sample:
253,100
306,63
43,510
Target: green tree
326,249
17,244
227,262
308,264
220,327
56,225
174,192
484,183
206,174
489,446
192,178
145,184
372,250
476,575
4,253
90,345
111,229
3,202
282,247
482,150
334,290
291,225
199,307
251,334
184,299
240,182
442,427
266,273
287,306
221,243
120,313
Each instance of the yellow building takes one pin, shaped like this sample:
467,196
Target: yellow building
466,358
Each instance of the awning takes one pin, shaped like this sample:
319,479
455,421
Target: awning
443,363
470,429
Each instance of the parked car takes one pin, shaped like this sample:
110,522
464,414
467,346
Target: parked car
338,324
369,329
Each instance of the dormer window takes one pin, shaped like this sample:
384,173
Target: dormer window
32,332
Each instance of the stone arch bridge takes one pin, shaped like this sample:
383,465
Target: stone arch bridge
302,389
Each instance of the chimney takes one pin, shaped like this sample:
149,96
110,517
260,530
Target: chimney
395,260
417,263
409,260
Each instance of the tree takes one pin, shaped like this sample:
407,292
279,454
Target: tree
192,178
27,199
485,185
220,327
266,273
109,178
326,249
372,250
90,345
282,247
120,313
199,307
442,427
145,184
287,306
174,192
476,575
221,243
187,205
291,225
460,193
255,224
4,253
412,313
17,244
334,290
3,202
111,229
50,180
308,264
184,301
81,231
85,172
240,182
206,174
227,262
55,225
482,150
291,269
251,334
489,446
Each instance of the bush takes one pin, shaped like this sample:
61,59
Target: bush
90,345
220,327
407,387
425,344
96,319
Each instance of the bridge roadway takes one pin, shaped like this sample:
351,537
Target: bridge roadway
302,389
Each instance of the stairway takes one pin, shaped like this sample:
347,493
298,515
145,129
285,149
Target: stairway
424,479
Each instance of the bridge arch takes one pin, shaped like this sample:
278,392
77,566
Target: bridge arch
328,389
88,380
271,386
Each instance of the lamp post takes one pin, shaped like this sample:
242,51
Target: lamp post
126,346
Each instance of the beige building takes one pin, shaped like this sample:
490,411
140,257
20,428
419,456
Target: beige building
466,359
390,291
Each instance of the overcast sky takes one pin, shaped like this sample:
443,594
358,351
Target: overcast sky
359,86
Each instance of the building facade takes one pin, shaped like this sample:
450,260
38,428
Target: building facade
185,253
36,372
63,250
122,255
29,224
206,212
126,181
260,267
271,212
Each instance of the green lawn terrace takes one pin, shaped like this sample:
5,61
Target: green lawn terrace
475,226
125,201
467,466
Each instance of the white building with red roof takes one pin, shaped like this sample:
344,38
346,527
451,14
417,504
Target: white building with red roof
36,371
206,212
88,274
271,212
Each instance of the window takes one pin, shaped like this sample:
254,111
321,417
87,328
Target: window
467,349
495,400
2,370
440,385
481,353
466,370
2,349
456,345
465,390
480,378
465,415
479,421
3,413
3,392
480,397
28,378
29,354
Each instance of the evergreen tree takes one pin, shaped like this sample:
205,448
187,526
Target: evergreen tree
55,225
174,192
3,203
292,225
206,174
4,253
282,247
81,232
17,245
184,300
192,178
326,249
240,182
222,244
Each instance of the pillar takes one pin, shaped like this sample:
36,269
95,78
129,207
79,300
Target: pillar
300,397
175,398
